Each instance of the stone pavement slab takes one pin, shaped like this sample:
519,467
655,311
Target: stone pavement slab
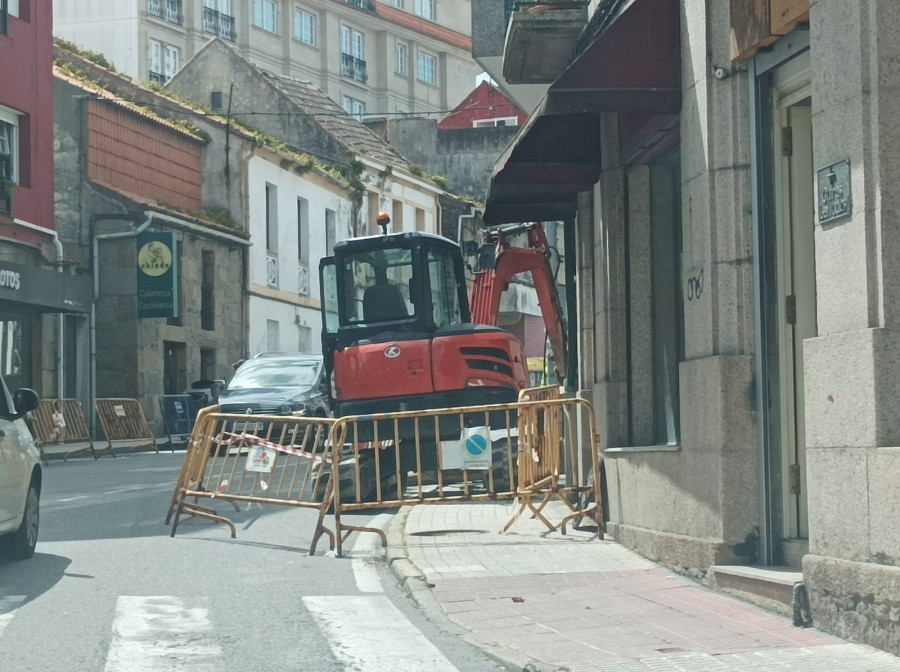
580,604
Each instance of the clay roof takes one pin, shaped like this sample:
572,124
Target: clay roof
334,120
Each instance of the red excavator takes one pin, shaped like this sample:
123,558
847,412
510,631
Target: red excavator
400,332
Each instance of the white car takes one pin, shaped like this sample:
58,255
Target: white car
20,475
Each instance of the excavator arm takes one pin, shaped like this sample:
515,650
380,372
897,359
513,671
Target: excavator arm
499,262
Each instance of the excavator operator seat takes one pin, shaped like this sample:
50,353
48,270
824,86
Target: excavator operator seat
384,302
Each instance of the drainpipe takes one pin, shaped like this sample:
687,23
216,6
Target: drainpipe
571,382
95,259
62,317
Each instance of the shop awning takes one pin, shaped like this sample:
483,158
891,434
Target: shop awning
38,290
632,67
550,160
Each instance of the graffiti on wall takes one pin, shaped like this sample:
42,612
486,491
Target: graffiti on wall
694,285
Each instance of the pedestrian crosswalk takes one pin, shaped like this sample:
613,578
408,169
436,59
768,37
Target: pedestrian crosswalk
8,607
151,634
369,634
162,633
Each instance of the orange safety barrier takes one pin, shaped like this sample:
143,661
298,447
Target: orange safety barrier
123,421
61,421
280,460
501,451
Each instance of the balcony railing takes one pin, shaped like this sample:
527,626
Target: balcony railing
170,10
303,280
368,5
157,77
216,23
272,271
5,203
354,68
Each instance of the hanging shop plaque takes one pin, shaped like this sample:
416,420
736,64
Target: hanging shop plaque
157,275
834,192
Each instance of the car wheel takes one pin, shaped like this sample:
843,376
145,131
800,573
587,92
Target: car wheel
20,544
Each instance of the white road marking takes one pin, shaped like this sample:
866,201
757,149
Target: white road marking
368,544
369,634
152,634
367,579
8,607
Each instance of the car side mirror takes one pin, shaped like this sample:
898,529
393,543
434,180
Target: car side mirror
25,400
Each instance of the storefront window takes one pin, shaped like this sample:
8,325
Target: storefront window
15,351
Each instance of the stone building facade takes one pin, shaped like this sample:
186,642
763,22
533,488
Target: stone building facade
732,191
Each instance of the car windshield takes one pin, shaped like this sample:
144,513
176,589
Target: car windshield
275,373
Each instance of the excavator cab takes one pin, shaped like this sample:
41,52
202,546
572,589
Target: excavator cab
396,287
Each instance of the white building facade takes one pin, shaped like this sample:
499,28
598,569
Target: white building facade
407,56
294,220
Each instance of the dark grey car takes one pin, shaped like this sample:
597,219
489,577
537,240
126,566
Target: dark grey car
278,384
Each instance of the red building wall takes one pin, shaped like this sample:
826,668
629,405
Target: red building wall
485,102
143,158
26,86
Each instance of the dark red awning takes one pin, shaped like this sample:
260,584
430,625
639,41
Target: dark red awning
632,68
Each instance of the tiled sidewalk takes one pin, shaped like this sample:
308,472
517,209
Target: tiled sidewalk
576,603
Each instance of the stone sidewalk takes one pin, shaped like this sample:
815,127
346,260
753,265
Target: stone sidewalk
537,600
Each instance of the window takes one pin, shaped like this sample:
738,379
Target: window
302,230
420,219
178,320
402,59
154,62
264,15
654,312
352,42
218,19
207,291
304,343
330,232
172,62
273,339
12,7
426,72
208,363
174,367
9,145
444,292
666,298
397,216
397,3
304,27
271,218
354,107
424,8
353,64
500,121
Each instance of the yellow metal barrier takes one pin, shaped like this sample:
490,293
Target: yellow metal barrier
123,421
60,421
501,451
280,460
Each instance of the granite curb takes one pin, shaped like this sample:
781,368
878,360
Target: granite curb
412,581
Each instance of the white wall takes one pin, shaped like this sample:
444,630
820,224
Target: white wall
109,27
283,303
290,320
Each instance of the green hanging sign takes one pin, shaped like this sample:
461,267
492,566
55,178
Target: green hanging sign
157,275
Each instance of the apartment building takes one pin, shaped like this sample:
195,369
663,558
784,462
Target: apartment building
405,56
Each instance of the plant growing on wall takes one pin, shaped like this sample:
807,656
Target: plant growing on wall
6,187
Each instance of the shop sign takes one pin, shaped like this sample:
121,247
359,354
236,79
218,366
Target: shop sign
834,192
157,275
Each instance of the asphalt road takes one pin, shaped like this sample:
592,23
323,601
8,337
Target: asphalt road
109,591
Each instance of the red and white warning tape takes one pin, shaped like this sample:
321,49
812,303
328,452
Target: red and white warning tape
265,443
